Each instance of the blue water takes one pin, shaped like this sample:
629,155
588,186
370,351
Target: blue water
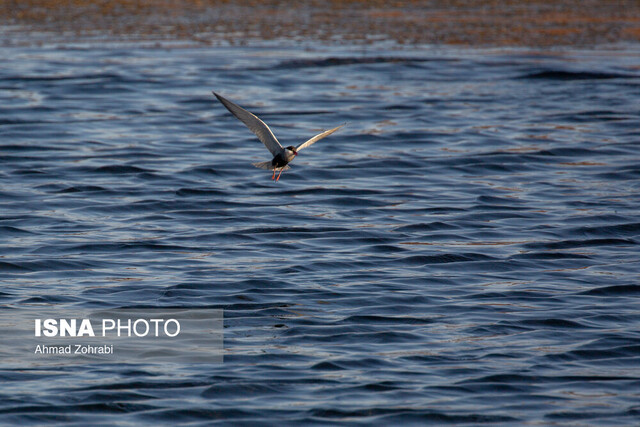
465,250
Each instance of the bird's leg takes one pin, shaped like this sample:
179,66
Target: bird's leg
279,174
274,173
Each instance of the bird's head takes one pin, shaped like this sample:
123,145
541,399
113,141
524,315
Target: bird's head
293,150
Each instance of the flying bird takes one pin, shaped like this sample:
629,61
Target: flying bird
281,155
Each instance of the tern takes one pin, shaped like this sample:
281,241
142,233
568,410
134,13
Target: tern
281,155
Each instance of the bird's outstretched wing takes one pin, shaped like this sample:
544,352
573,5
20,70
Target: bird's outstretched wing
318,137
254,124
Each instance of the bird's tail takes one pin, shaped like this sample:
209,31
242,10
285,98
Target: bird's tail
268,166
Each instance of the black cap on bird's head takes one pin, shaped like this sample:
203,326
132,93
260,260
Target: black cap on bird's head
293,149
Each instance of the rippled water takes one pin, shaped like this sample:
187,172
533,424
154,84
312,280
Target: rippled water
465,250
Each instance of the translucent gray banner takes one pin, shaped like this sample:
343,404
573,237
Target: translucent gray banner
35,337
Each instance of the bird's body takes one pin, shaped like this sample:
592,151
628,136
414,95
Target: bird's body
282,156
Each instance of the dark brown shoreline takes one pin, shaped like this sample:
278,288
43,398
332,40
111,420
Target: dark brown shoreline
535,23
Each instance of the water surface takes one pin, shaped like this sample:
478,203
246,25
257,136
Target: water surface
465,250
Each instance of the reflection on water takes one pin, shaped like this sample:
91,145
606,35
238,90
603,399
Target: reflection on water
464,250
